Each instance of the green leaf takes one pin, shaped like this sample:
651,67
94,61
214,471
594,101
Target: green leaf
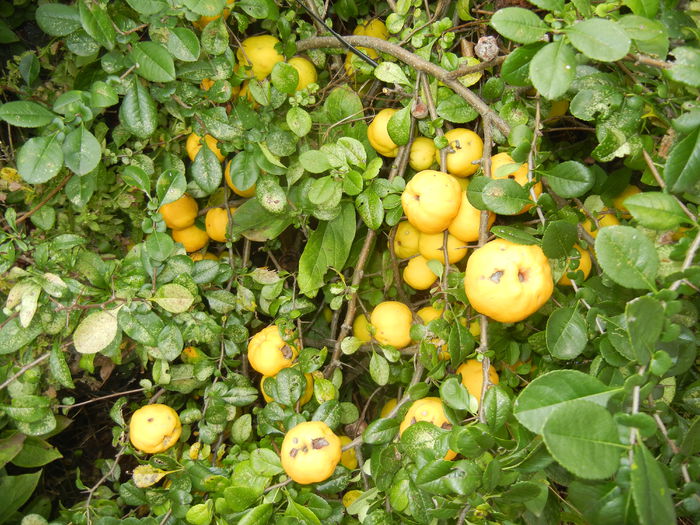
455,109
599,39
137,178
570,179
153,62
205,7
14,336
159,246
650,491
40,159
505,196
399,126
25,114
550,5
582,437
257,515
171,185
552,69
147,7
257,224
260,9
138,112
516,67
645,322
553,389
142,328
454,394
498,407
57,19
650,36
327,247
36,453
183,44
518,24
15,491
646,8
206,170
682,171
566,333
301,513
656,210
102,95
515,235
379,369
81,151
380,431
370,208
627,256
558,239
59,367
299,121
173,298
97,23
285,78
686,68
391,73
314,161
10,447
266,462
95,332
215,39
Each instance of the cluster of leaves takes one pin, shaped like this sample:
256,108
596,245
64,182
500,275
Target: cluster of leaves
595,419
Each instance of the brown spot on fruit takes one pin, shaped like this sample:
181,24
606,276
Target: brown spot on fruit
150,420
446,426
319,443
522,276
287,352
496,276
293,453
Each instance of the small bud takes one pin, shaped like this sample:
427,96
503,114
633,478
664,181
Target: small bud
419,110
486,48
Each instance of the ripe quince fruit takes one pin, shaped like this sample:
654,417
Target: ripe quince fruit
605,217
430,246
268,353
154,428
584,265
506,281
406,240
431,410
245,193
619,201
375,28
181,213
259,53
431,200
417,274
194,144
392,323
348,458
192,238
422,154
310,452
360,328
305,69
465,147
519,175
216,222
473,377
465,225
305,397
378,135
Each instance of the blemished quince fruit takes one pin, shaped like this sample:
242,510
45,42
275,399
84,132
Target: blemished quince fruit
375,28
465,226
199,256
431,410
192,354
194,144
154,428
192,238
406,240
310,452
378,134
246,193
392,324
519,175
181,213
473,377
305,397
619,201
360,328
584,264
506,281
348,458
429,313
388,407
350,497
422,154
605,218
465,147
268,353
431,200
305,69
259,53
216,222
430,246
417,274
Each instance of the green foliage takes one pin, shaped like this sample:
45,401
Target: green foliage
595,417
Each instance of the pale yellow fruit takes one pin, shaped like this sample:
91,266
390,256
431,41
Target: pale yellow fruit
216,222
519,175
422,154
406,240
392,323
360,328
378,135
181,213
375,28
473,377
247,193
259,53
465,226
417,274
619,201
388,407
348,458
306,70
429,313
154,428
192,238
194,144
430,246
268,353
464,148
584,265
310,452
605,218
431,200
199,256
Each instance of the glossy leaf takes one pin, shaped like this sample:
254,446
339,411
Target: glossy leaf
682,171
650,490
25,114
599,39
570,179
627,256
566,333
81,151
518,24
552,69
40,159
153,62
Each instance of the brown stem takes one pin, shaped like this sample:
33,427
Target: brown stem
414,61
22,370
46,199
466,69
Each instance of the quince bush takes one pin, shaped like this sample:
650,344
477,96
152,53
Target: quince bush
459,254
